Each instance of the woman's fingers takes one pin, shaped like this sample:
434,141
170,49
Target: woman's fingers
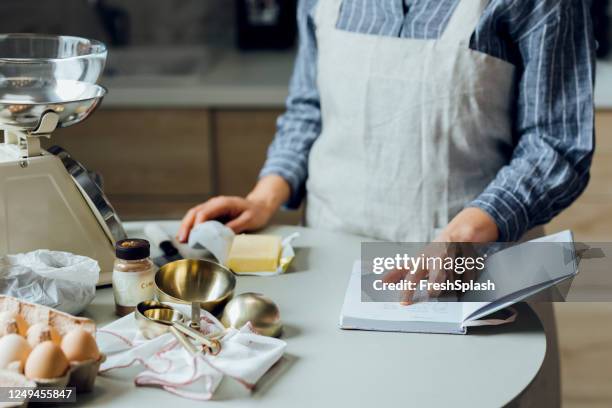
394,276
212,209
200,217
186,225
241,223
437,275
415,278
397,275
222,206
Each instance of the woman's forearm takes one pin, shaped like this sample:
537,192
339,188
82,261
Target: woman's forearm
470,225
271,192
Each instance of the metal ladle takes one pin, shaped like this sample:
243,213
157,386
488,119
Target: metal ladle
155,318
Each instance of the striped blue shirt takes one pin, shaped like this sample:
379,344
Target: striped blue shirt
549,41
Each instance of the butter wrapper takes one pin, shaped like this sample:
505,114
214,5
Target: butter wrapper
217,239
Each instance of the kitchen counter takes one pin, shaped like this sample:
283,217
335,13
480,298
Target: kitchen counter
325,366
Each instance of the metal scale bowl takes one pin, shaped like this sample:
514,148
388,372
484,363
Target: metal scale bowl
41,74
48,82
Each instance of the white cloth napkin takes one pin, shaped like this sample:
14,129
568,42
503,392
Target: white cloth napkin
245,356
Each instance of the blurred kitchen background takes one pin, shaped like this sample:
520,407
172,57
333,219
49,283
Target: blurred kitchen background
195,87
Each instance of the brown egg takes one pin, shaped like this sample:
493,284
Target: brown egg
47,360
39,332
11,322
14,351
80,345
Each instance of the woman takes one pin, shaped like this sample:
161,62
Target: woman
415,120
411,120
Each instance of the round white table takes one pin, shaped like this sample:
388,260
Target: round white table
325,366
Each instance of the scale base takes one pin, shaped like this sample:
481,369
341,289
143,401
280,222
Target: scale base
42,208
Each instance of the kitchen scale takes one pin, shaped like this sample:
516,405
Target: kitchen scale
47,198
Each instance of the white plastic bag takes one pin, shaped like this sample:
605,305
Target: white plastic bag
60,280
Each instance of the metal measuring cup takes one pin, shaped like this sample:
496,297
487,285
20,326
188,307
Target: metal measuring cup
156,318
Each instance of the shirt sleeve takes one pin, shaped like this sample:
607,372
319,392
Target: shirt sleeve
554,122
300,125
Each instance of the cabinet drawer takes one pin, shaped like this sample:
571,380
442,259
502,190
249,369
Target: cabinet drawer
242,138
146,207
140,152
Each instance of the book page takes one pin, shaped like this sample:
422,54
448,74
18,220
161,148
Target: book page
522,271
431,311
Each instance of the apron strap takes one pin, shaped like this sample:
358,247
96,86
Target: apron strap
326,13
464,21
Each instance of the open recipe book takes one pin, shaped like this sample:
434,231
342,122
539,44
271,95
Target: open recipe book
520,271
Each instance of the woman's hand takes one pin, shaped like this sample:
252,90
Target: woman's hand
470,225
241,214
436,274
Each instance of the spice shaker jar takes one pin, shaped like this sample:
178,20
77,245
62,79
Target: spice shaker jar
133,275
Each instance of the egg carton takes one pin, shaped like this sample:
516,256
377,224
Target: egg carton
33,313
81,375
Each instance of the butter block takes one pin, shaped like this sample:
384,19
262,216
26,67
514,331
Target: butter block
254,253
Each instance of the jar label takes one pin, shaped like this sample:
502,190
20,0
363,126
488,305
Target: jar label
131,288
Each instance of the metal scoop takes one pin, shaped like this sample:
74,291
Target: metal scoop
155,318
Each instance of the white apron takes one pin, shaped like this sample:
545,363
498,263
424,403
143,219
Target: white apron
413,130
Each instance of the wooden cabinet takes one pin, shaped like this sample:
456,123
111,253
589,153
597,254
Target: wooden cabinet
590,217
154,163
241,140
157,163
586,360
